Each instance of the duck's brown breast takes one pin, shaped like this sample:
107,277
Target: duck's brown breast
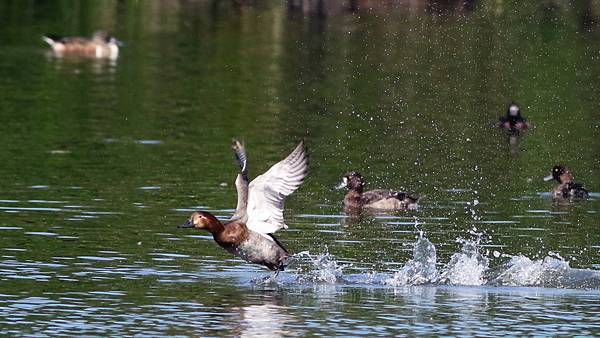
352,199
233,235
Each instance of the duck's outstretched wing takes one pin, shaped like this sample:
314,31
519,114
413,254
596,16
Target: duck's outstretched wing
241,182
269,190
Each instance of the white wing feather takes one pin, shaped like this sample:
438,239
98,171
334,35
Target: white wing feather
269,190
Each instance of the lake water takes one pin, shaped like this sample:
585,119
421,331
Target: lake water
102,160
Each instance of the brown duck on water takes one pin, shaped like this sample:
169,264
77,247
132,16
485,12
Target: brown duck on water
356,199
566,188
99,46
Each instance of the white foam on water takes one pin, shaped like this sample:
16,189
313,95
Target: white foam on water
323,268
466,267
421,269
552,272
470,267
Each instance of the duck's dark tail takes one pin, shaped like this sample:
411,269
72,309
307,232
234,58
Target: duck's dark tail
284,257
280,264
403,196
575,189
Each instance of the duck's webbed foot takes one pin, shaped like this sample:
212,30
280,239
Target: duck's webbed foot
273,277
269,279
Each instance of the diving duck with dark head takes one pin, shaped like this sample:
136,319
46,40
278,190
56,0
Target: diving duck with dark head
357,199
513,120
259,212
566,188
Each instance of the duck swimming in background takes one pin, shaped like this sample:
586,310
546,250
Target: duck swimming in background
356,199
99,46
567,188
513,120
259,212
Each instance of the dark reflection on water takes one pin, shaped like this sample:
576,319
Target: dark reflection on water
101,161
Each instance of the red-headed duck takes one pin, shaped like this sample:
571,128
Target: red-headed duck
566,188
513,120
99,46
259,212
356,199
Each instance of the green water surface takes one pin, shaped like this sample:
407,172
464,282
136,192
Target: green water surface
100,161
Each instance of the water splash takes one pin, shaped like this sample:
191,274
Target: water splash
548,272
466,267
270,279
420,269
323,268
471,267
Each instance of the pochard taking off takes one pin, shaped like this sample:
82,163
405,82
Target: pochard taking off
259,212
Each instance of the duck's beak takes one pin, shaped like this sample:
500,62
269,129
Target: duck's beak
343,184
548,178
188,224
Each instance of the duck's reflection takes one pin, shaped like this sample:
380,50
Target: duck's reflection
353,217
513,124
514,138
77,65
266,320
